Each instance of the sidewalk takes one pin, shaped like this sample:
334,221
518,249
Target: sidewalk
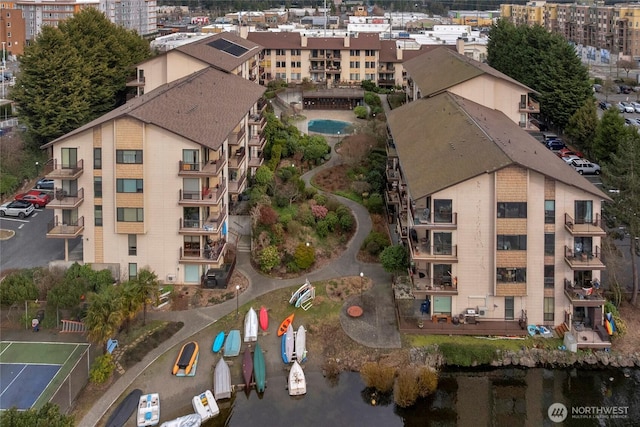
376,328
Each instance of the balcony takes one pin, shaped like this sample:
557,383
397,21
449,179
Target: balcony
64,200
209,254
60,230
584,260
316,68
424,285
424,251
257,141
206,197
334,70
258,120
580,296
66,171
393,175
262,105
235,137
139,82
211,226
237,185
530,107
235,160
442,220
256,162
392,197
210,168
391,148
580,227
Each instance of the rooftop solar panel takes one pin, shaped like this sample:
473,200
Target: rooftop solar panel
228,47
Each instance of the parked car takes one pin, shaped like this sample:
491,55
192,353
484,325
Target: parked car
604,105
621,108
569,152
18,208
45,184
628,108
625,89
636,105
597,88
35,197
570,158
585,167
556,145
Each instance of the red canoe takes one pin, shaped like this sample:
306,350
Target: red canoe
247,368
285,324
264,319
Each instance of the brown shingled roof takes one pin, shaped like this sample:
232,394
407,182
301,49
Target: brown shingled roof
388,51
444,140
442,68
217,58
203,107
271,40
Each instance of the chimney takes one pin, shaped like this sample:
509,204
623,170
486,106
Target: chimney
347,42
460,45
303,41
399,52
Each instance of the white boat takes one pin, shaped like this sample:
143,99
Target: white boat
289,343
296,295
251,326
191,420
222,381
148,410
205,405
297,382
301,344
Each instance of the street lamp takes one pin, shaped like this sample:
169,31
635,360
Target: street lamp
361,284
37,168
237,300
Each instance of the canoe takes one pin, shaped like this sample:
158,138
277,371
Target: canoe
611,321
296,295
259,369
222,380
186,358
304,296
122,413
264,319
191,420
289,343
285,323
283,348
301,344
232,344
297,381
218,342
247,368
607,325
205,405
148,410
251,326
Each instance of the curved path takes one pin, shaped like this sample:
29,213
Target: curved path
376,328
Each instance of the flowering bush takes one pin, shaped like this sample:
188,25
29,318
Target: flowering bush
319,211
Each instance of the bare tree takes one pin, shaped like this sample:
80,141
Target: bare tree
627,65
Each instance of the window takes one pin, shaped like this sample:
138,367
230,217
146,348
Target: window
584,211
69,158
133,270
130,214
512,210
295,64
97,215
370,64
549,312
128,185
355,52
442,243
129,156
295,52
191,274
192,246
354,76
281,64
97,186
442,274
549,211
97,158
549,276
512,243
511,275
280,52
442,211
354,64
508,308
549,243
267,52
370,53
371,77
133,244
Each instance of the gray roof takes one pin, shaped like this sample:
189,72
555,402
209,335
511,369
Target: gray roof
203,107
442,68
200,49
445,140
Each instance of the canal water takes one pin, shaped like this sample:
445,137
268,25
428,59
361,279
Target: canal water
504,397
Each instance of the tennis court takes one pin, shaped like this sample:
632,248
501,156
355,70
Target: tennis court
32,373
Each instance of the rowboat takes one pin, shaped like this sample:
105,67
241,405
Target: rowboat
289,343
205,405
296,295
218,342
232,344
122,413
264,319
251,326
222,380
297,382
259,369
285,324
191,420
186,359
301,344
148,410
247,368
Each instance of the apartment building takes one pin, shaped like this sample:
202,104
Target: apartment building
150,183
136,15
12,29
493,221
49,12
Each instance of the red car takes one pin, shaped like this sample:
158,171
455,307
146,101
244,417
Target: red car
36,198
569,152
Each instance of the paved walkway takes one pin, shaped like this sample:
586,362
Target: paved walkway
377,328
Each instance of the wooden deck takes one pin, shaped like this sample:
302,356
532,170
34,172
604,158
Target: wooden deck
446,327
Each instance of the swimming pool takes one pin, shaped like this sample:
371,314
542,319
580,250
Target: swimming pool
332,127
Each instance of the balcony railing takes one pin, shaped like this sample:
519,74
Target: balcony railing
424,250
207,196
257,141
256,162
64,200
585,259
334,70
65,230
262,105
137,82
236,159
435,219
66,171
237,185
530,107
210,168
581,227
209,226
258,120
208,254
235,137
584,294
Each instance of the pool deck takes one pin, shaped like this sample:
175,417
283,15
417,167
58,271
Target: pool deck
341,115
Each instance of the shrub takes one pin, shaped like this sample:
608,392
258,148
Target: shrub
378,376
427,381
305,216
333,204
375,242
406,390
332,221
310,192
268,216
342,210
320,199
322,228
268,258
277,232
294,227
467,355
346,222
304,256
18,287
360,112
285,218
101,369
292,267
319,212
375,204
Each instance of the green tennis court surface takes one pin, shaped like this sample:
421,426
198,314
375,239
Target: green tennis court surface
30,373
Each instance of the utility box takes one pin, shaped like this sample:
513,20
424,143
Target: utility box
570,342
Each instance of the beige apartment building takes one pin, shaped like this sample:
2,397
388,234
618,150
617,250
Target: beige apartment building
150,183
493,221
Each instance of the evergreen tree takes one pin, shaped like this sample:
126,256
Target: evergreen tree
47,416
610,131
582,126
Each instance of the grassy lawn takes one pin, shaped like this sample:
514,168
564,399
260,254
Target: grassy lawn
466,340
